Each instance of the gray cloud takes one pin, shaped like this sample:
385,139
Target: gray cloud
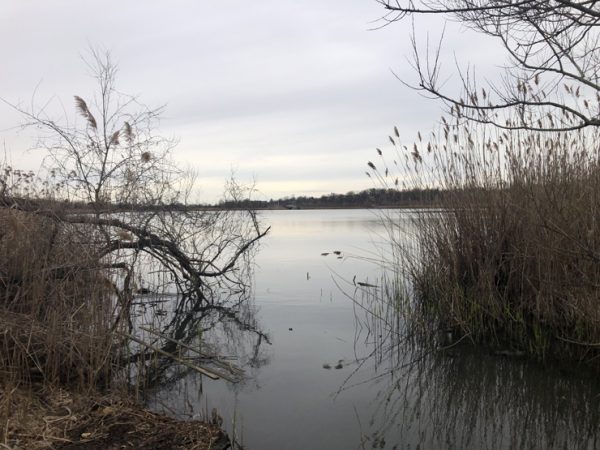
297,93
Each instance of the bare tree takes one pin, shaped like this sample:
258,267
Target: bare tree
552,81
115,157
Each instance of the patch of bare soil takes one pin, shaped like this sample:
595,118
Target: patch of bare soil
57,419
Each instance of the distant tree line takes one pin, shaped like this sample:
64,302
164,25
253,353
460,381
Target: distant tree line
369,198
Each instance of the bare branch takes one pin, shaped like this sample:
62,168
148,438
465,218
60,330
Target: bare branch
555,41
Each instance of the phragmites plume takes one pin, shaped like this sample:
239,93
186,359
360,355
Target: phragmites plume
128,132
371,165
415,154
396,131
85,112
379,151
146,157
114,139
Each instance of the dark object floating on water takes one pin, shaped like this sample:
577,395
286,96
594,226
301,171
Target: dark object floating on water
326,366
340,257
143,291
360,283
337,252
290,329
325,254
339,366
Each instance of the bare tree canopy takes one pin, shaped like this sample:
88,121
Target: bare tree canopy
552,81
114,156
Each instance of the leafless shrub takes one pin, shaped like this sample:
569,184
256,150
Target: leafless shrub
110,220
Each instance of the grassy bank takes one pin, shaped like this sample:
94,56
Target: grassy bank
512,262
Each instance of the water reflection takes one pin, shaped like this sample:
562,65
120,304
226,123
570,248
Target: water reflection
434,395
175,334
467,399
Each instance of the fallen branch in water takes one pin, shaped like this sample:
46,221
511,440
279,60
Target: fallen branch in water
198,369
215,359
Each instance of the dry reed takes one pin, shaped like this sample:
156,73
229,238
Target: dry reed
512,259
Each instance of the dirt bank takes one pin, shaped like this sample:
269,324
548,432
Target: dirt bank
58,419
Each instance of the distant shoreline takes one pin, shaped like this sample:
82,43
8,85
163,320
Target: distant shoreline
34,205
368,199
300,208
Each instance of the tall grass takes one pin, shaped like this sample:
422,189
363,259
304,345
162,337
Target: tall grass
56,308
512,258
70,363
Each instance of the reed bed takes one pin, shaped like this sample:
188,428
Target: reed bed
56,307
56,311
511,258
62,382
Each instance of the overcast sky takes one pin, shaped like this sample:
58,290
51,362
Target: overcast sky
296,94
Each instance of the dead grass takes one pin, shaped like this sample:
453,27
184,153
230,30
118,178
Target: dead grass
59,349
55,305
513,259
60,419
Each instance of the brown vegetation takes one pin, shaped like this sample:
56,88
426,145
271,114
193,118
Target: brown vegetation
63,419
56,308
68,279
512,260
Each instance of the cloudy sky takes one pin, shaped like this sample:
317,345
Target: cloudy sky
294,94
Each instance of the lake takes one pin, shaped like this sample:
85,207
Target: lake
329,374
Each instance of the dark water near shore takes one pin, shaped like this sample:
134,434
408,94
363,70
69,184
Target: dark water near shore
333,378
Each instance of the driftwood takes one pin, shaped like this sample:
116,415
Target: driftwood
175,358
201,370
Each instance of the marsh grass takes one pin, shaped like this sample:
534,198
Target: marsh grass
56,317
55,304
511,258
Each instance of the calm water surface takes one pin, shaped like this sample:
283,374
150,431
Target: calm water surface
331,379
